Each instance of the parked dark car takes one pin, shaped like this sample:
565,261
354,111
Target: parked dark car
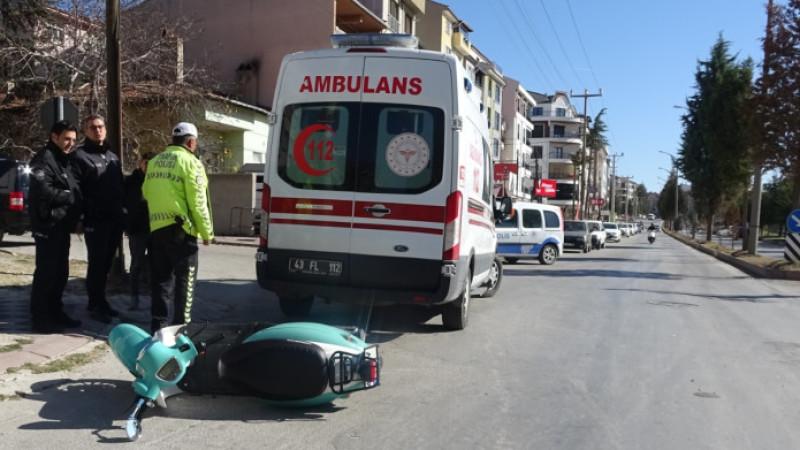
577,235
14,186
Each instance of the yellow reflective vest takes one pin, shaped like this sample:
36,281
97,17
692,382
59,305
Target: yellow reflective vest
176,190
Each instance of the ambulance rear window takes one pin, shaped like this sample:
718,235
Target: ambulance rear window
365,147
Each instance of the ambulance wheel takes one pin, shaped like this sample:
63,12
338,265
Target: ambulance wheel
512,260
455,314
549,255
495,277
296,307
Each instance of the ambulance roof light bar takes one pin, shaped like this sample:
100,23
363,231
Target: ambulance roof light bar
374,40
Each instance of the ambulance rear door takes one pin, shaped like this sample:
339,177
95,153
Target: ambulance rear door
404,173
313,173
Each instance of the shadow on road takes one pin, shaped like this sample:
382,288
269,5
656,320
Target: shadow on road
728,298
592,273
71,405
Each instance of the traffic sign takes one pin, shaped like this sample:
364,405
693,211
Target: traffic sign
56,109
793,221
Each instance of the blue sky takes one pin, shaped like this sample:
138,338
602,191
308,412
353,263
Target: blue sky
642,53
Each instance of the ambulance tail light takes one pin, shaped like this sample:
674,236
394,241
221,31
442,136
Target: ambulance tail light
16,201
263,228
452,227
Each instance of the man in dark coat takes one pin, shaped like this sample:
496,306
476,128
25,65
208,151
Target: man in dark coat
99,174
138,227
54,210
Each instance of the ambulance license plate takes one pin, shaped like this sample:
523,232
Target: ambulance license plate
315,266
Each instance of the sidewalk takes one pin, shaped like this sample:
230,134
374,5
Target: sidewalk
22,346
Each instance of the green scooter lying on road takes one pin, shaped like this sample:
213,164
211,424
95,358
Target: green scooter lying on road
296,364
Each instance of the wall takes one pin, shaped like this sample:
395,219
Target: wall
236,32
233,197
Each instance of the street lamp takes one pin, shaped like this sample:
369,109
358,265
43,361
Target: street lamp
675,168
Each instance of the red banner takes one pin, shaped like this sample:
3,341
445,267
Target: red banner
501,170
545,188
595,201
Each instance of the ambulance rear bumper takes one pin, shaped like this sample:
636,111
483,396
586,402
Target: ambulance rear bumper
382,279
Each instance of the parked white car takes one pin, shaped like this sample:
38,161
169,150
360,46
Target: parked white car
598,233
613,231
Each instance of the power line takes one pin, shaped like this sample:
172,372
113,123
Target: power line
539,41
525,42
580,39
560,44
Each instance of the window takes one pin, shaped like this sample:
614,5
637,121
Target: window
531,218
537,111
448,28
509,222
551,220
348,146
496,146
496,120
408,25
537,151
497,93
561,112
489,117
558,131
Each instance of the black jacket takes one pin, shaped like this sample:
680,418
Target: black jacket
138,216
54,195
99,174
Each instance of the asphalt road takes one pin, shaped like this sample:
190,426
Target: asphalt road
633,346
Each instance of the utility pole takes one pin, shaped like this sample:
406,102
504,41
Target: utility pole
754,229
584,190
114,103
612,217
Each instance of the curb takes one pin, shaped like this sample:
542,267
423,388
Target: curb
744,266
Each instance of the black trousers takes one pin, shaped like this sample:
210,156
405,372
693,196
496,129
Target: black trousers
138,244
102,241
51,274
173,263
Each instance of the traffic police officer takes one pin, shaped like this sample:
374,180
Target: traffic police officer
176,190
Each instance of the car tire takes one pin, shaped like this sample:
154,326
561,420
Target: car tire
296,307
512,260
455,314
495,277
548,255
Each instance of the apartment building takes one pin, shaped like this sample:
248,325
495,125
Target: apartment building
557,142
516,159
489,79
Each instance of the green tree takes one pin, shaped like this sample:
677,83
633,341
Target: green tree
714,153
777,109
596,141
776,203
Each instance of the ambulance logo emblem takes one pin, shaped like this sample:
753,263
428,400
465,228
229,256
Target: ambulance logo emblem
407,154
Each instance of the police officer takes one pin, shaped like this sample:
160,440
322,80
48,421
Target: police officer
176,190
54,210
99,174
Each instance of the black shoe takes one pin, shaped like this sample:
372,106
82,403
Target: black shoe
67,321
100,315
47,327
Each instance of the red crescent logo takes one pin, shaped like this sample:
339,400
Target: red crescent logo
300,145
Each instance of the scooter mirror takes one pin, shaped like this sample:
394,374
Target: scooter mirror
133,429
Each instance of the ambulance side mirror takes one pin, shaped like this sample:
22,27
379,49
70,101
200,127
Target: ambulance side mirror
503,209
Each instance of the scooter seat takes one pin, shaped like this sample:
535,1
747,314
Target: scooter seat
277,369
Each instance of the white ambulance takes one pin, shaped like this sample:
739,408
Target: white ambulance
378,180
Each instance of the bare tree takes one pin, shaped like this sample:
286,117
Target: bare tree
61,51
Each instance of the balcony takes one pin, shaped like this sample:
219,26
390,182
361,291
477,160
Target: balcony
462,44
